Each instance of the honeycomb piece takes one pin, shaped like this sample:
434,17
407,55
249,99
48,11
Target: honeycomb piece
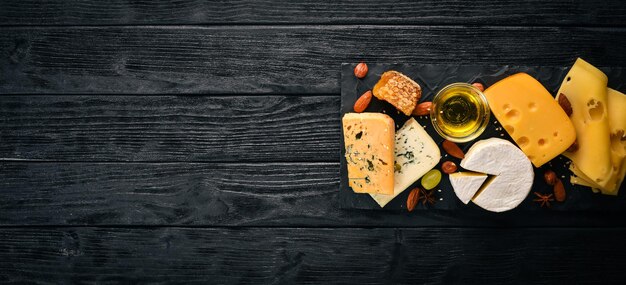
399,90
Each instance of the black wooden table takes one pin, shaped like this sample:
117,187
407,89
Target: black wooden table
192,141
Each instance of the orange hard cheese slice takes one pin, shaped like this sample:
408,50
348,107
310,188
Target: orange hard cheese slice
531,116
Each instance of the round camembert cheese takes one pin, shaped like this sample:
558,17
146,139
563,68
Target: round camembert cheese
512,174
466,184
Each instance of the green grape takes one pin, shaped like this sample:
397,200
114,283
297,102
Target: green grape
431,179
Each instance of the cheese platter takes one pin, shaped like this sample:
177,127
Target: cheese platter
511,148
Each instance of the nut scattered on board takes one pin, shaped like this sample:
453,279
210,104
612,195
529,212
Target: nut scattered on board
479,86
550,177
413,199
573,147
360,70
453,149
448,167
423,109
565,104
559,191
361,104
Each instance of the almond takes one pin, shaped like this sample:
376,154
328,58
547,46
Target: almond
360,70
453,149
550,177
573,147
411,201
559,191
565,104
479,86
423,109
361,104
448,167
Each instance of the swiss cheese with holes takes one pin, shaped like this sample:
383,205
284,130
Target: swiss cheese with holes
617,126
369,143
585,88
531,116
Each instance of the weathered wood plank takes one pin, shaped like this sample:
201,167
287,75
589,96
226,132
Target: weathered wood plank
167,193
170,128
121,12
269,59
223,194
312,256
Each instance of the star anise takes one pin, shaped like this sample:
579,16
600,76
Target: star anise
427,197
543,199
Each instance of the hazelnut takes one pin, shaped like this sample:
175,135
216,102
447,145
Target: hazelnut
479,86
448,167
565,104
573,147
550,177
360,70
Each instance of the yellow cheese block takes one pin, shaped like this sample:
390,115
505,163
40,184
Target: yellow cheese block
369,142
532,118
614,183
617,128
620,177
617,125
617,119
585,88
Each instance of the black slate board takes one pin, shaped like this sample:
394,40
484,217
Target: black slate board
434,77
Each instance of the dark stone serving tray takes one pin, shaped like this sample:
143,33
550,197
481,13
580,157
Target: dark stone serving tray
434,77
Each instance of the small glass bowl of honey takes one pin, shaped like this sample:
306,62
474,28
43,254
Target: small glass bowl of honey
460,112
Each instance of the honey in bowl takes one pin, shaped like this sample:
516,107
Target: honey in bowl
460,112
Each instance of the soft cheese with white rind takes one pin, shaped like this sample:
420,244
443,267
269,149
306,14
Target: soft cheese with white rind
415,154
466,184
513,174
504,192
481,157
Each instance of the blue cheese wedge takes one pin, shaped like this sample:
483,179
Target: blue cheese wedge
368,139
415,154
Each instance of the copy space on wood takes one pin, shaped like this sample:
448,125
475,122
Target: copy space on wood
220,194
311,256
269,59
170,128
145,12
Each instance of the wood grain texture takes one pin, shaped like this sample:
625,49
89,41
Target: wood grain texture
170,128
269,59
312,256
222,194
167,193
123,12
